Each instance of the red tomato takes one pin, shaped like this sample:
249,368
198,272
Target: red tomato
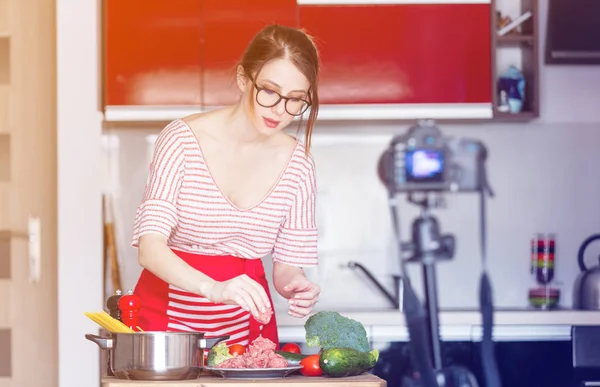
237,349
310,366
291,347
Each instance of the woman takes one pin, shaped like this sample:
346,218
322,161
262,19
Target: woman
226,188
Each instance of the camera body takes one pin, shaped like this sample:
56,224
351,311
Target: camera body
423,160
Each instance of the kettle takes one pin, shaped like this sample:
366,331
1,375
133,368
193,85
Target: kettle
586,291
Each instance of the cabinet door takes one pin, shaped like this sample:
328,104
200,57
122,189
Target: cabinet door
152,52
402,53
229,26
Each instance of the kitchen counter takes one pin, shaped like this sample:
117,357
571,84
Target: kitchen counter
366,380
387,317
457,325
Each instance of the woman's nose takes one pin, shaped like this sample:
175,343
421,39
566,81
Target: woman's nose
279,109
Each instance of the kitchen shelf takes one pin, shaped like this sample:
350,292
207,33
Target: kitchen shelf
4,157
519,324
525,46
514,39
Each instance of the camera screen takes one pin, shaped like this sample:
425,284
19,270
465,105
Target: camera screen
425,165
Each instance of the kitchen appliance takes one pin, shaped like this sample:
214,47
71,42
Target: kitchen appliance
585,353
156,356
586,291
425,164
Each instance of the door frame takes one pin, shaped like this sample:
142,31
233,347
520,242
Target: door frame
79,140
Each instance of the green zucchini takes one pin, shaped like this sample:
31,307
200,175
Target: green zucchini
292,358
339,362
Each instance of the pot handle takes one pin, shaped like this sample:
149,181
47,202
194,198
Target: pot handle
103,342
209,343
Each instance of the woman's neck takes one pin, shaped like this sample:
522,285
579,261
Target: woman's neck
241,128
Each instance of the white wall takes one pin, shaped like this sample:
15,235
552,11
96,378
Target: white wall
542,184
79,187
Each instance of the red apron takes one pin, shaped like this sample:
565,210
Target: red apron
154,292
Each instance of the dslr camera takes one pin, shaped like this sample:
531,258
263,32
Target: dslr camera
423,160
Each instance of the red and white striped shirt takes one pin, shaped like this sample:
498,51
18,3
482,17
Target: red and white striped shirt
182,202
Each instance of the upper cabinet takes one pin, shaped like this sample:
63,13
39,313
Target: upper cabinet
229,26
402,53
152,53
386,60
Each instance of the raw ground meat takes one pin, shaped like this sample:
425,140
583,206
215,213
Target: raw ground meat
264,317
260,354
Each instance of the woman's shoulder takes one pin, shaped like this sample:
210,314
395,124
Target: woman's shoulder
176,130
302,159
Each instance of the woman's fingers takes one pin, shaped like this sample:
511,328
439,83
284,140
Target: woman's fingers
294,313
246,301
303,303
243,291
258,293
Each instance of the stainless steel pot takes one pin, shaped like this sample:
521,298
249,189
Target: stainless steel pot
156,355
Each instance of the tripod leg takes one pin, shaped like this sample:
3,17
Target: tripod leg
431,303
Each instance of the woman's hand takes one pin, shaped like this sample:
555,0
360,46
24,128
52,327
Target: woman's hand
241,290
303,295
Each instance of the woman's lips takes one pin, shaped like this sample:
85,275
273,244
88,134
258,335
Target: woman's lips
271,123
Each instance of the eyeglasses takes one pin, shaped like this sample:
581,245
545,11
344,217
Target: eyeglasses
268,98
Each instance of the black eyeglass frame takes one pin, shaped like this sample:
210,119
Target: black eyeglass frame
259,89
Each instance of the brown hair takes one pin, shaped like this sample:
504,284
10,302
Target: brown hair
280,42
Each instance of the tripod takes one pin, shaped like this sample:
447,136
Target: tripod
427,247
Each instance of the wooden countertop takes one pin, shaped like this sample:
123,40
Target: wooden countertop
366,380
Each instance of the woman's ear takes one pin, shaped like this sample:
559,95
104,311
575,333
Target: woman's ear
241,77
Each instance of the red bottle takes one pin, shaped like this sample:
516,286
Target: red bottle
130,306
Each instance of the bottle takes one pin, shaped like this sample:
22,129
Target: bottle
130,306
112,304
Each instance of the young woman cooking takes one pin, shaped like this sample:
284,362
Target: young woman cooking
226,188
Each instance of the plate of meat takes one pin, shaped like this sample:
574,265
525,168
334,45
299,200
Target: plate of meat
253,373
259,362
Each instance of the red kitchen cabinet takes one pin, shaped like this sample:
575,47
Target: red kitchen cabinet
152,52
229,25
403,53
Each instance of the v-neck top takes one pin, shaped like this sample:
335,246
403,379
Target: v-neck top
182,202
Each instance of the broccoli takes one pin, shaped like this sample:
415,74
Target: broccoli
332,330
218,354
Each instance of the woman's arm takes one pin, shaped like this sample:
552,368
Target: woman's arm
292,284
282,276
157,257
296,246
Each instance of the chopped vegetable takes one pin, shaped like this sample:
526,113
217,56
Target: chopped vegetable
332,330
237,349
310,366
291,347
340,362
218,354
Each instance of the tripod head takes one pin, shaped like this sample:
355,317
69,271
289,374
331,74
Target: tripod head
428,245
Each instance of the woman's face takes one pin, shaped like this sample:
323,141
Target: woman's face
280,91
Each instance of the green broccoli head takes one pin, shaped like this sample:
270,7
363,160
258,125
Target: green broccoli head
332,330
218,354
